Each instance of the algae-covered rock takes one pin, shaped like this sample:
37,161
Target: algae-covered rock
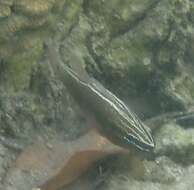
146,55
141,50
142,47
24,26
33,8
5,8
162,175
175,142
115,16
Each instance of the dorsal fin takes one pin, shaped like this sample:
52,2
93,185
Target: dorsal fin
52,55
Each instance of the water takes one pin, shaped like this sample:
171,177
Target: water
138,58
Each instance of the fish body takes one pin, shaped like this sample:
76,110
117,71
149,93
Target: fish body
117,122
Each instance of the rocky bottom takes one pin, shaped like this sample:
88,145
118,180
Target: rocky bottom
173,167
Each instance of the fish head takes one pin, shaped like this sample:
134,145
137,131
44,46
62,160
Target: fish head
120,124
137,135
130,132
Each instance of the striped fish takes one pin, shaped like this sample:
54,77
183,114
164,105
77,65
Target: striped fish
117,122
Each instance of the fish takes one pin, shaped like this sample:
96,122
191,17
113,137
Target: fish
117,122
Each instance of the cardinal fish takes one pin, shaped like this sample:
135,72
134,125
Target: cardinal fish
116,121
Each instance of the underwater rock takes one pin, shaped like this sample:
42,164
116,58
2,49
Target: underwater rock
33,8
161,175
4,160
142,51
137,49
5,8
25,26
51,165
114,16
163,170
25,115
147,57
175,142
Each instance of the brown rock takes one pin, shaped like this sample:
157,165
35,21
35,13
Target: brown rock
51,166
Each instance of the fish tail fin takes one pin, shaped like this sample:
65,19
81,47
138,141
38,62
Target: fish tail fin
74,65
52,55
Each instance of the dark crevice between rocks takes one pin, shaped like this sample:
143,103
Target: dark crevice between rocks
2,70
186,120
85,6
157,83
98,60
69,32
156,46
39,83
13,8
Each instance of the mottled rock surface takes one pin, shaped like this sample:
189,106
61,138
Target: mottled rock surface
176,142
169,176
140,50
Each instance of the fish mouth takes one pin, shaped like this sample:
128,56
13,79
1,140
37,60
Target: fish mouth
139,144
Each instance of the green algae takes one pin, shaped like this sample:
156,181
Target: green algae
33,8
23,32
115,15
19,65
138,49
